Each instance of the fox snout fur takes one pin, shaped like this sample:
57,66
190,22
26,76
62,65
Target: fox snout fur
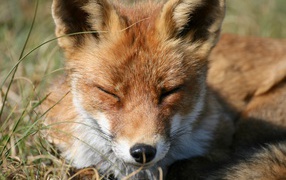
134,94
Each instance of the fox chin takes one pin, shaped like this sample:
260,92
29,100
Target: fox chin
134,96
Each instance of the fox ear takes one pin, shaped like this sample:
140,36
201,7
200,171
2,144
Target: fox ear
192,20
79,16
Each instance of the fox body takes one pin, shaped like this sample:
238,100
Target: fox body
135,92
252,83
249,74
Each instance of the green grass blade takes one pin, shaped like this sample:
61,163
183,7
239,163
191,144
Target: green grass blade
21,55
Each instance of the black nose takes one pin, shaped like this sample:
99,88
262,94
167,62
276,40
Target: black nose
143,153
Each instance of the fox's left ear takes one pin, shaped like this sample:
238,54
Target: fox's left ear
192,20
77,20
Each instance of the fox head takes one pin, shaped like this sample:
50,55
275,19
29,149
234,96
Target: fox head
137,72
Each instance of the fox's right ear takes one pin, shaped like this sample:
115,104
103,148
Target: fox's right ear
77,20
192,21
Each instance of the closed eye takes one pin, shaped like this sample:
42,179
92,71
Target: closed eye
107,92
166,93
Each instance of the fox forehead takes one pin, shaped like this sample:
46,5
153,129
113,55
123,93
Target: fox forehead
127,60
122,62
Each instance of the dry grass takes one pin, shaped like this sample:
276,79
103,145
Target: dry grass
24,153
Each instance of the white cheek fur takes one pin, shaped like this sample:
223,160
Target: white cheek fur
186,141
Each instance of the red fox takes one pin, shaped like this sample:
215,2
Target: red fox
135,93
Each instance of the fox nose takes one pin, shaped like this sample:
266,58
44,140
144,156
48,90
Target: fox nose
143,153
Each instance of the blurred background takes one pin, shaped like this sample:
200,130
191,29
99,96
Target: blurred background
265,18
20,143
